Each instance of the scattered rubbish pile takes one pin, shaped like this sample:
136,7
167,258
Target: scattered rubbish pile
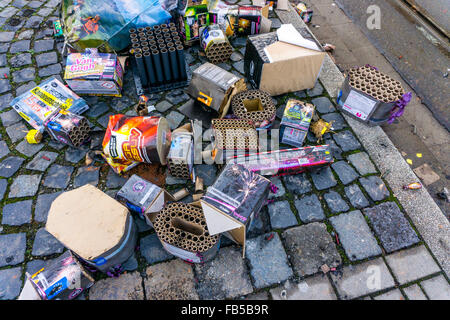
100,231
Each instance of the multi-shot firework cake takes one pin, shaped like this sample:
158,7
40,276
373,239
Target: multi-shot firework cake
215,44
45,100
295,123
180,159
195,17
234,201
68,128
372,97
287,161
94,73
183,232
246,20
256,106
63,279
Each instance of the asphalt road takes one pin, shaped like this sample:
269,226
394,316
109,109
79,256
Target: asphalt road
425,68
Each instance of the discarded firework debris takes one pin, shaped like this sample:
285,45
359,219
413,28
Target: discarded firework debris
45,100
130,140
320,127
68,128
413,186
63,279
34,136
233,137
159,58
180,159
295,123
183,232
97,228
233,201
142,196
287,161
256,106
215,44
372,97
94,73
195,17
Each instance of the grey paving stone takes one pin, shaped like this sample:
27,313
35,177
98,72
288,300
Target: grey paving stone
3,185
42,161
17,213
280,188
176,96
152,249
174,118
437,288
309,247
5,73
25,35
46,59
281,215
239,66
276,23
122,103
5,100
5,86
24,88
262,295
207,172
56,145
338,121
6,36
414,293
323,178
20,60
223,277
45,244
35,265
173,280
345,173
9,117
375,187
20,46
297,184
113,180
313,288
126,287
171,180
85,175
43,203
267,259
355,235
356,197
35,4
391,226
163,106
3,60
362,163
33,22
24,75
236,56
10,165
19,3
347,141
10,283
323,105
29,149
4,150
335,202
390,295
362,279
309,209
45,12
239,41
12,248
44,45
50,70
74,155
58,176
24,186
224,66
4,47
316,91
412,264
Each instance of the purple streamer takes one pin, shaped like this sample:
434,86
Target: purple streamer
399,107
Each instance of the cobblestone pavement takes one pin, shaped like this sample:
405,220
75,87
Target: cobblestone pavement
338,233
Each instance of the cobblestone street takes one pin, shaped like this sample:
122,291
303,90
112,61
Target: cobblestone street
325,236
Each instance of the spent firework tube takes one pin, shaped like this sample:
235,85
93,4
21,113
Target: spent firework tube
287,161
137,139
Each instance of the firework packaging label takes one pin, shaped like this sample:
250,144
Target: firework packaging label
295,123
249,20
180,159
68,128
234,201
45,100
143,197
287,161
274,66
63,279
93,73
96,227
136,139
195,17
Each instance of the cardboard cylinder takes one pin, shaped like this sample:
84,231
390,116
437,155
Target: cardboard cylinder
181,62
141,69
150,69
157,64
166,65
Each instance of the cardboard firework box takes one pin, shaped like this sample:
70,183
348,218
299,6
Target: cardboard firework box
180,159
63,279
295,123
195,17
234,201
143,197
94,73
287,161
68,128
46,100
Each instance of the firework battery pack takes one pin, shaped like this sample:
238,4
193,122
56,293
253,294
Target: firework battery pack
215,44
234,201
255,106
249,20
283,61
287,161
46,100
295,123
96,227
94,73
183,232
63,279
143,197
180,159
195,17
68,128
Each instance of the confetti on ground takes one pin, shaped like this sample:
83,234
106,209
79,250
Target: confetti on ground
418,155
409,161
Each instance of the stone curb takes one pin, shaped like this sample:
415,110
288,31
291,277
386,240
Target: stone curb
426,216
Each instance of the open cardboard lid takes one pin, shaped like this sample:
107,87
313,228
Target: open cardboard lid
280,51
87,221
